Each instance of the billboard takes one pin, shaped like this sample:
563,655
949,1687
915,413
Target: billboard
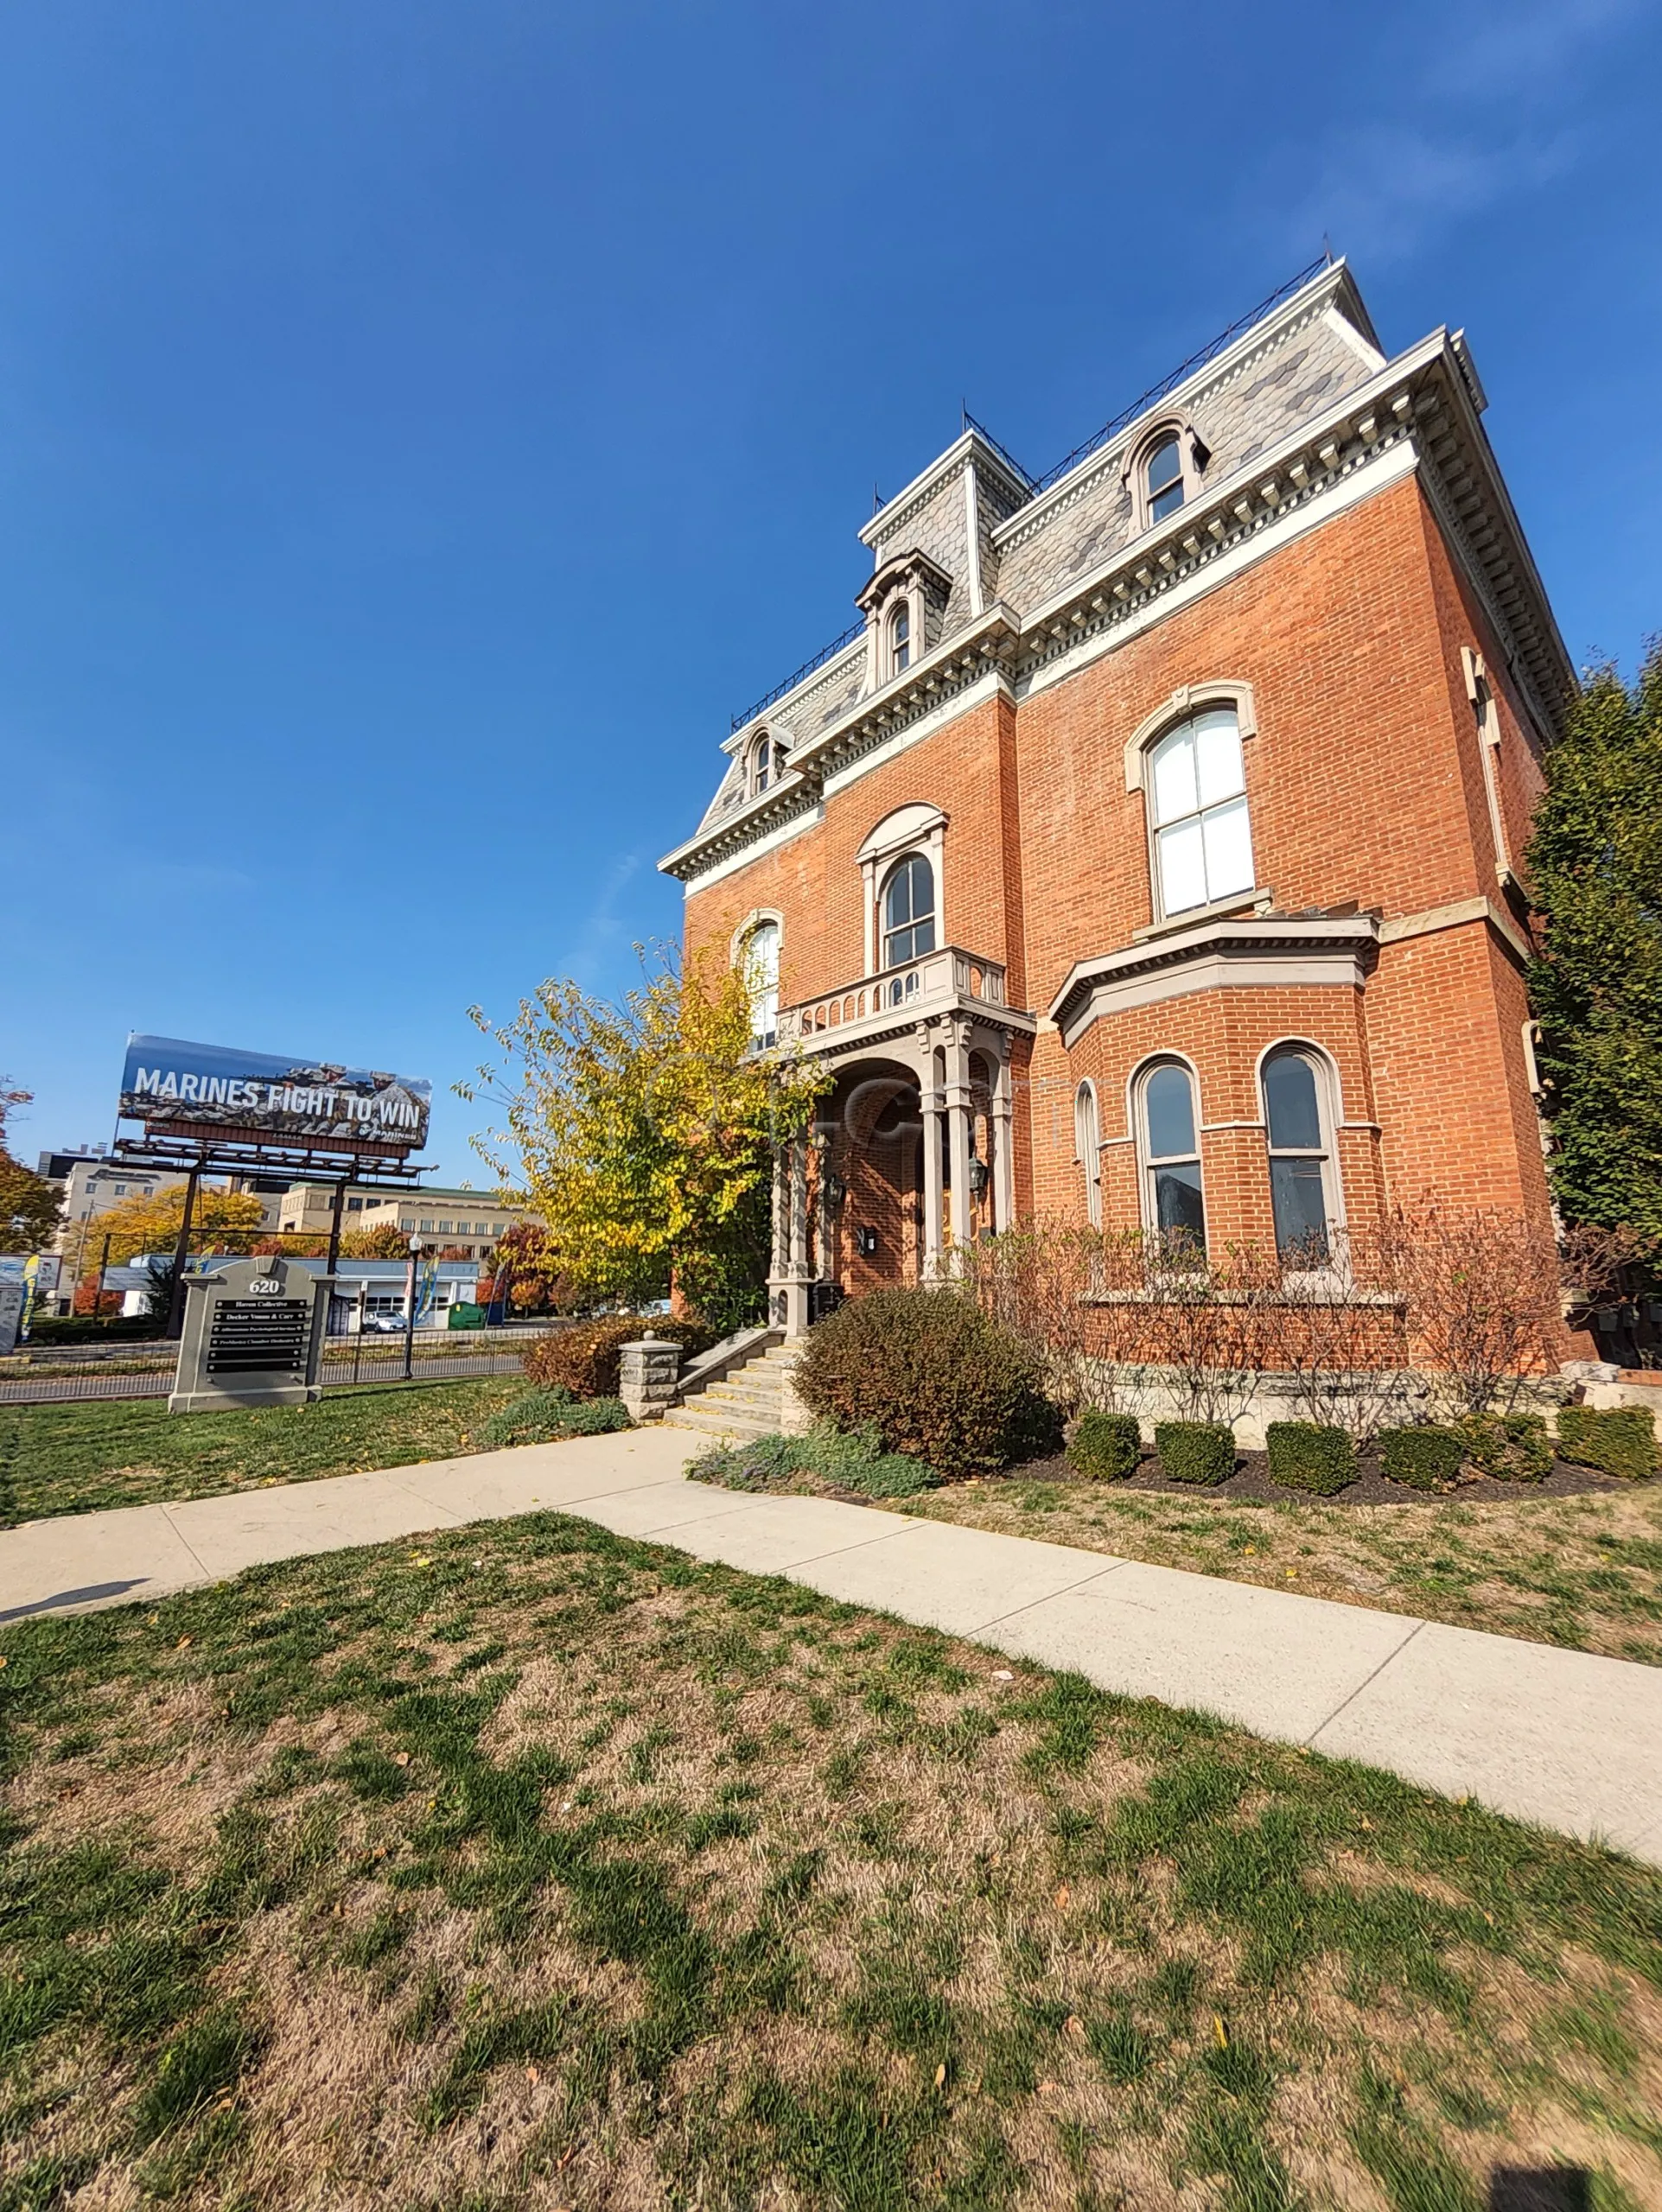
250,1096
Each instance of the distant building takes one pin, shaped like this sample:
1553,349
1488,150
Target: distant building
473,1221
92,1184
366,1291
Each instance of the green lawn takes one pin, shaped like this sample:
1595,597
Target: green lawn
77,1458
533,1867
1585,1572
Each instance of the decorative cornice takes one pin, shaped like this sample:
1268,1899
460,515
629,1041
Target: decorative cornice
1259,950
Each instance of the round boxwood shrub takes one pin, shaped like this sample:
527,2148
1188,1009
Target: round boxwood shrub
584,1358
1195,1450
1616,1440
1507,1447
1425,1458
932,1376
1306,1455
1106,1446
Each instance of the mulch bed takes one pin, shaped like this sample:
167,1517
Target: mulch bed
1250,1481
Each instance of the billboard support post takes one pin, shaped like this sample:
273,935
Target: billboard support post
181,1254
334,1227
98,1295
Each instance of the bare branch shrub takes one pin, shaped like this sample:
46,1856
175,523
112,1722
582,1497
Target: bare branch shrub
1481,1293
1342,1343
1036,1282
1596,1263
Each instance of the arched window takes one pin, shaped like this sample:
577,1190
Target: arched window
1087,1138
1303,1189
899,638
1202,841
909,911
1174,1205
1162,476
760,956
766,764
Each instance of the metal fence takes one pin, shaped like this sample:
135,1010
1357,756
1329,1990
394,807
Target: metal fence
374,1367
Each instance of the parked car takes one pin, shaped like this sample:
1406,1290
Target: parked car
384,1324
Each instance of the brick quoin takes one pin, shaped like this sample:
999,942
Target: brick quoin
1367,794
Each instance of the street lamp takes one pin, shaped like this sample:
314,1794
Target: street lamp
417,1248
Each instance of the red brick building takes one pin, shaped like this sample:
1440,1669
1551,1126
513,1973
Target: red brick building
1147,854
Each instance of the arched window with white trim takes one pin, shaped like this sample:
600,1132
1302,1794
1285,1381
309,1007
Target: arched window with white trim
909,911
1197,809
760,958
900,638
1169,1145
1088,1139
765,764
1304,1178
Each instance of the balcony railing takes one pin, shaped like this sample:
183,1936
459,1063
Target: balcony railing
934,980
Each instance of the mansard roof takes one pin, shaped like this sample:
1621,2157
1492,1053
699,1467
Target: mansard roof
1288,406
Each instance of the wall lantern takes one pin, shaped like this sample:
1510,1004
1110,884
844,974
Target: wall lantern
978,1176
867,1239
835,1189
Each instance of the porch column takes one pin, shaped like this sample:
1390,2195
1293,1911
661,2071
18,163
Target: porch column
930,1100
958,1130
1003,1168
797,1274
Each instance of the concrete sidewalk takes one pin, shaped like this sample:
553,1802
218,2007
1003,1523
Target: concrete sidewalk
1561,1738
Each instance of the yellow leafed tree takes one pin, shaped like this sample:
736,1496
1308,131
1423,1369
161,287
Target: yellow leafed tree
221,1221
645,1133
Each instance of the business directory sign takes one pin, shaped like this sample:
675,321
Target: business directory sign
250,1096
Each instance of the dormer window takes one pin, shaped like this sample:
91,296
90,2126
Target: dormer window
765,764
1162,472
1164,468
899,638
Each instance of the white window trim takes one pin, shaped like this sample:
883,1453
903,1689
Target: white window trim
1480,693
1330,1108
915,828
1191,454
1137,1122
758,917
1187,701
1087,1146
885,876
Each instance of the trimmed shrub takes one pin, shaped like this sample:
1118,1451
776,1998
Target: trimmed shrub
1306,1455
1425,1458
1195,1450
1616,1440
932,1376
854,1462
1106,1446
542,1416
1507,1447
584,1359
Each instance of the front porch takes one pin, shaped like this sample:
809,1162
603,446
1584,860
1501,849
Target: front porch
911,1158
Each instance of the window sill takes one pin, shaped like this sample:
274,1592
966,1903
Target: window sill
1244,902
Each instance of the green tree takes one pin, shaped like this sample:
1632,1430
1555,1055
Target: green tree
31,1206
1595,875
645,1133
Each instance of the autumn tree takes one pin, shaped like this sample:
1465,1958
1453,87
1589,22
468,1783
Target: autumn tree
526,1272
645,1132
1595,873
221,1221
384,1241
31,1206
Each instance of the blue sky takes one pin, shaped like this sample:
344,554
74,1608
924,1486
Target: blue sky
422,425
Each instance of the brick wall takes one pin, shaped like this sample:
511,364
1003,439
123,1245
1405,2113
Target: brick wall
1365,788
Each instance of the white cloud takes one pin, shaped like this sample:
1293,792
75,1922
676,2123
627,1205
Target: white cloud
1489,117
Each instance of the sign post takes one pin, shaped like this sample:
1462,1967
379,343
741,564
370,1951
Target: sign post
253,1336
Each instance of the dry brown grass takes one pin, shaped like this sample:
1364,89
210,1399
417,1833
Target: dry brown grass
1582,1572
559,1871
